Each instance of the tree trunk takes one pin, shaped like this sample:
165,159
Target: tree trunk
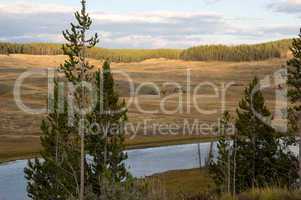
299,156
82,167
200,156
234,165
82,100
209,154
299,141
229,169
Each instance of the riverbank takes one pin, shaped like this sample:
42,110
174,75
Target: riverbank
140,163
18,148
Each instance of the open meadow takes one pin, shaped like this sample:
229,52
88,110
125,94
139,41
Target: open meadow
19,131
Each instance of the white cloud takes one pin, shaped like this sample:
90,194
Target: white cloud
149,17
157,29
55,38
29,8
211,1
286,6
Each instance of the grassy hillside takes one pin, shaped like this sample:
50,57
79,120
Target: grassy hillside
276,49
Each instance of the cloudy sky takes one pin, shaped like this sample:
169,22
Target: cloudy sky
154,23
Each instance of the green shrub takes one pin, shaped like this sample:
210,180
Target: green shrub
257,194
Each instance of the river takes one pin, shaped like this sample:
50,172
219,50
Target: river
141,163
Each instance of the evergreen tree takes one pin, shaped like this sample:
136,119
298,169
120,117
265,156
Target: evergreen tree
221,167
106,146
263,157
294,82
77,71
56,175
259,156
294,73
115,117
65,171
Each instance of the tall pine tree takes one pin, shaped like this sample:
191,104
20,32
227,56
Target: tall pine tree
294,93
76,70
56,175
64,171
263,157
106,146
221,167
259,156
69,162
294,73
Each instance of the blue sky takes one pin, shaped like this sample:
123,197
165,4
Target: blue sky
154,23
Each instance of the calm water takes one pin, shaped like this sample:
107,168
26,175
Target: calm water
141,162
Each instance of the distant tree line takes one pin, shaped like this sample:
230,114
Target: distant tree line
115,55
276,49
31,48
133,55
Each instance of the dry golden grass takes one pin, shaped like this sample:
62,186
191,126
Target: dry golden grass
14,122
14,147
180,183
33,61
197,184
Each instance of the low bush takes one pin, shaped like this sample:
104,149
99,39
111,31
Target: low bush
257,194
